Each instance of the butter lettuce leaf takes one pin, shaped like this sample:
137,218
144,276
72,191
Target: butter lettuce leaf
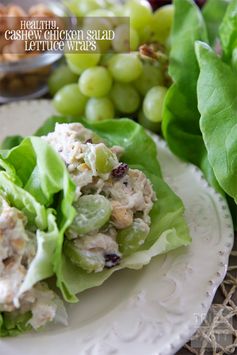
228,31
39,218
168,228
181,117
217,102
43,222
44,176
12,324
213,12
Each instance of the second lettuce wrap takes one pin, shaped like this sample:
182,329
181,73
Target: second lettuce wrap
28,240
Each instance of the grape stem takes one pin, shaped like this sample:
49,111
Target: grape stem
147,51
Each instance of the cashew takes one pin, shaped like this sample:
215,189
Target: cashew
121,216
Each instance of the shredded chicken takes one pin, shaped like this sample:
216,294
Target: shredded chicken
17,250
133,192
13,244
122,217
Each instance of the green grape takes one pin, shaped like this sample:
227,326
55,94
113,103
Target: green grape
118,10
72,6
131,239
105,160
125,39
145,34
105,58
95,82
153,103
101,13
125,67
86,6
89,261
140,13
82,61
70,101
152,126
151,76
60,77
114,19
121,41
134,39
99,24
125,98
74,69
98,109
92,212
162,23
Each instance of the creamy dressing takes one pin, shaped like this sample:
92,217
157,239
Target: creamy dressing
13,247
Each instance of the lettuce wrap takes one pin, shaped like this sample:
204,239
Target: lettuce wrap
28,237
43,173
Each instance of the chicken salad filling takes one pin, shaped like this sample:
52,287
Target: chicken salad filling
112,203
17,250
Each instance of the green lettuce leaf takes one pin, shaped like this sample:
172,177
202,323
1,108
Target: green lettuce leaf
228,31
44,222
12,324
217,102
181,117
213,12
168,228
188,26
39,168
11,141
44,176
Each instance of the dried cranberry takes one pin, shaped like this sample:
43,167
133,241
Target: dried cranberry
120,171
88,141
111,260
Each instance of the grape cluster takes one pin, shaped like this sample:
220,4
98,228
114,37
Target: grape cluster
114,84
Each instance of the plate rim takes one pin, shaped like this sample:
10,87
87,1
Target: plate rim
215,281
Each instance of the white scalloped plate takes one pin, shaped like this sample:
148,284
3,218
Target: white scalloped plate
149,312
